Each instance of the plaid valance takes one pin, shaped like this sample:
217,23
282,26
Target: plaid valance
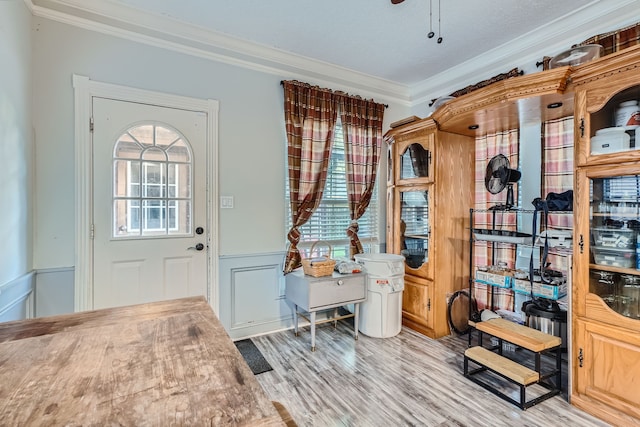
614,41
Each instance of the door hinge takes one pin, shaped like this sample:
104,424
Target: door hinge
92,232
580,357
581,244
429,304
91,124
582,128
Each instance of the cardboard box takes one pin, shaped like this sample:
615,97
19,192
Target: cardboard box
542,290
493,279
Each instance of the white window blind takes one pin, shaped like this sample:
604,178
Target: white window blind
330,221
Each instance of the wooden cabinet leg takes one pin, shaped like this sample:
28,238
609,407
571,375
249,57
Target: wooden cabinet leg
312,320
356,315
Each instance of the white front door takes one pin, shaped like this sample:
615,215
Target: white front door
150,237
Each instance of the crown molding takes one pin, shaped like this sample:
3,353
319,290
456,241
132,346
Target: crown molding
29,5
112,18
593,18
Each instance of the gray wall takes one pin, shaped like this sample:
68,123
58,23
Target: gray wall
16,152
251,163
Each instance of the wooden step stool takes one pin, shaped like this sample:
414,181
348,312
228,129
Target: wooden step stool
522,336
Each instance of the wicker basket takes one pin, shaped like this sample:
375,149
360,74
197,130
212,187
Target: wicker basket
320,266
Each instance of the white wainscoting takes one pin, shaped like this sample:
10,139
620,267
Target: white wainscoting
54,291
252,295
16,298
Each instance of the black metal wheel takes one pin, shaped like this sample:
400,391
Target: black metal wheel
460,309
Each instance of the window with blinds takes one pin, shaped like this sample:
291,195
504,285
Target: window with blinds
330,221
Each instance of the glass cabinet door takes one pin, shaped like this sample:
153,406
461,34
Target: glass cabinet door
615,127
390,170
414,227
614,269
415,163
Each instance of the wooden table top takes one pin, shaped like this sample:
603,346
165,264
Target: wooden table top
165,363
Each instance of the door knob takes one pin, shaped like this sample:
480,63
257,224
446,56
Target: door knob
197,247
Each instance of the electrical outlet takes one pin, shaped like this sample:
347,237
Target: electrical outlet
226,202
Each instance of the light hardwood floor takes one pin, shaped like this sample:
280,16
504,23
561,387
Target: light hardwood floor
406,380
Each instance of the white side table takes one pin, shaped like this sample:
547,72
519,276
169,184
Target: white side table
313,294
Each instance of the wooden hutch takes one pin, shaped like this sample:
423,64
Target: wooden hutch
431,175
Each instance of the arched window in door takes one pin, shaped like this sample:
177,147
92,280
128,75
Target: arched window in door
152,178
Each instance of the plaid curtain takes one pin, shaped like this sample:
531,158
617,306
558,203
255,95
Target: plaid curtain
362,128
487,147
557,175
310,115
557,164
506,143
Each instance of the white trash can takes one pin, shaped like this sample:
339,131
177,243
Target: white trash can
381,313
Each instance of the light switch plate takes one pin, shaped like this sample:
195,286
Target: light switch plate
226,202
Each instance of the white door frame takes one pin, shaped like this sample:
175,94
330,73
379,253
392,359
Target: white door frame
84,90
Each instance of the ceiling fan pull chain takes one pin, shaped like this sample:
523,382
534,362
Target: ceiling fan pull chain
439,29
431,33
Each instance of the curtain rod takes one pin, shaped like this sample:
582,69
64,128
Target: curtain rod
329,90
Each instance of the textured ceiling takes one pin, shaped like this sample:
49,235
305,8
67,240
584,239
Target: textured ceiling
372,45
372,36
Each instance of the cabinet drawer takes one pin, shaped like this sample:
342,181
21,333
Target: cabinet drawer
335,291
314,293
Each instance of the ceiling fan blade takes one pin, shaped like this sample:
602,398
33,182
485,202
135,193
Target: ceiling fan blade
396,1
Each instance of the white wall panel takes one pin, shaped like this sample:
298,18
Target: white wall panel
252,295
54,291
16,298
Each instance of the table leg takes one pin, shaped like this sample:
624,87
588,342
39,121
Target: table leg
312,319
295,319
356,314
335,318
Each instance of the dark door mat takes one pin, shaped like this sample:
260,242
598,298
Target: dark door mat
253,357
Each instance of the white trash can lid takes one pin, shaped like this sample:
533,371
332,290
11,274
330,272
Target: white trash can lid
379,257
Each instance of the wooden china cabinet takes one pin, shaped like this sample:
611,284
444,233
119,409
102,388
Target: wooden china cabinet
429,191
430,186
606,292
